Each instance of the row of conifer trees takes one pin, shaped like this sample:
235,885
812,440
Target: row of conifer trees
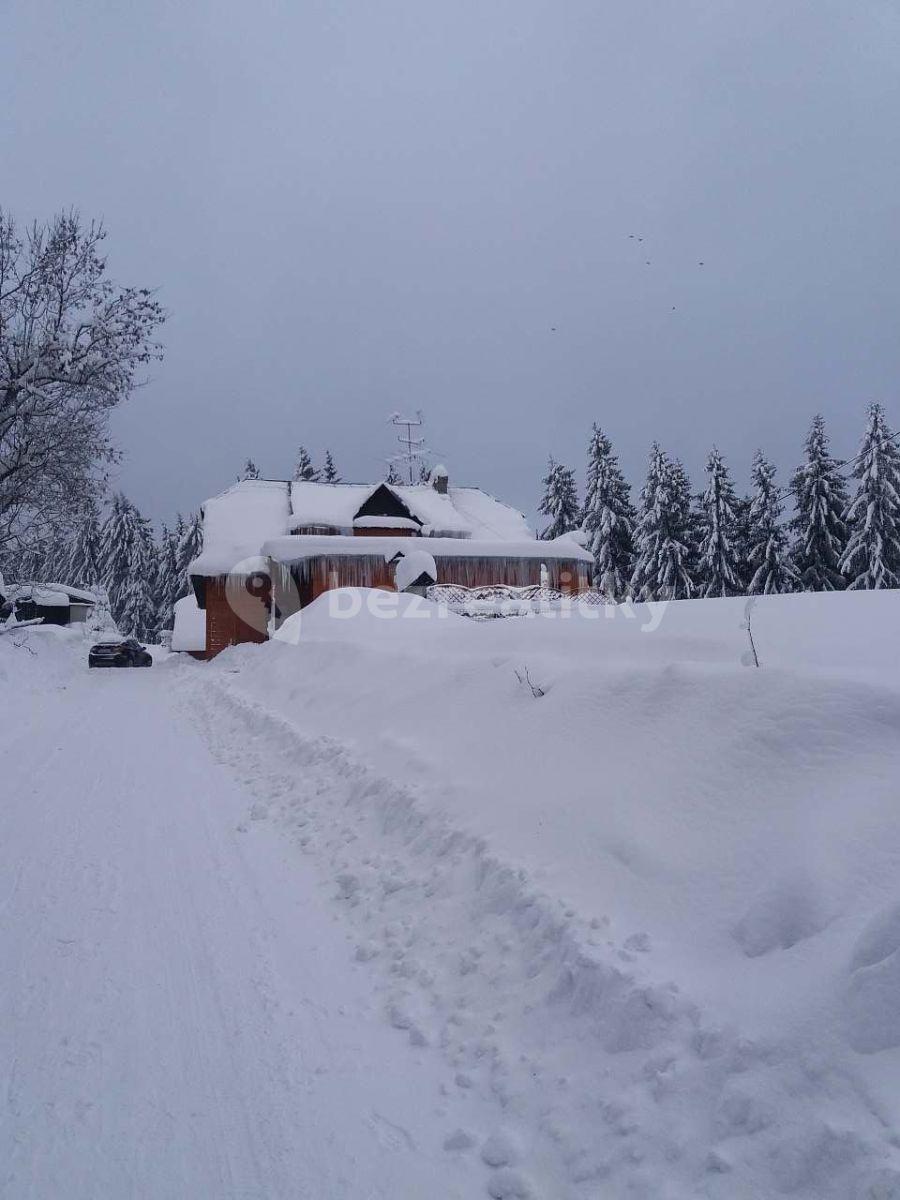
141,576
842,531
120,557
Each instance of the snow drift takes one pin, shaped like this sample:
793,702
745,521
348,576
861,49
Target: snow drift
650,905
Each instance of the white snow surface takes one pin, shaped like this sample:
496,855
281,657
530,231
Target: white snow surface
189,630
565,907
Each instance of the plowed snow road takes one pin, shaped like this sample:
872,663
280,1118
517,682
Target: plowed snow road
180,1015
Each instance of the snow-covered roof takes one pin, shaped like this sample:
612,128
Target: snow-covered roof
299,547
331,504
64,591
49,597
237,523
490,518
189,632
461,512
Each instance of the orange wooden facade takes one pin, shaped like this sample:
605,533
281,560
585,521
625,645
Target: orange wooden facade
237,606
313,576
235,612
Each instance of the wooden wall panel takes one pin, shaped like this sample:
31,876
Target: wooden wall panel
224,626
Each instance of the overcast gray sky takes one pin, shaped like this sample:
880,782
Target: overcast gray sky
351,207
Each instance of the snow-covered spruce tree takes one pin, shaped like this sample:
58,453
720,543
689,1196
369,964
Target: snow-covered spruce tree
743,539
167,575
116,537
53,557
250,470
81,565
393,475
608,518
304,469
872,556
71,345
687,517
559,501
662,538
717,567
818,527
190,543
22,564
138,607
329,471
771,569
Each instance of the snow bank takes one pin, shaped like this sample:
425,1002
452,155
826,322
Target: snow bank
649,895
189,631
34,657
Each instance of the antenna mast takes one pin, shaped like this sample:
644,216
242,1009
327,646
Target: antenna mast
414,447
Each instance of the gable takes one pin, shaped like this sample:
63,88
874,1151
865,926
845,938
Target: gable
384,502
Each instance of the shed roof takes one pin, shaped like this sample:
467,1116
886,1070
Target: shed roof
67,594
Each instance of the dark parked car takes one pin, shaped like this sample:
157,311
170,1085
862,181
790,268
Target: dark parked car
127,653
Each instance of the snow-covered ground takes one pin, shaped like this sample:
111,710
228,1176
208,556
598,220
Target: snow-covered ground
575,908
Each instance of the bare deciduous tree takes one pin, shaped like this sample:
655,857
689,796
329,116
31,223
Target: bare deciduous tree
71,343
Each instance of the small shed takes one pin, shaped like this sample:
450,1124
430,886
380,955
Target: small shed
42,603
52,603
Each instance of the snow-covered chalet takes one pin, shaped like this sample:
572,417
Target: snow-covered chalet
295,540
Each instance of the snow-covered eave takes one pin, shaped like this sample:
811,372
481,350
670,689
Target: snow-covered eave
22,591
389,522
241,559
296,549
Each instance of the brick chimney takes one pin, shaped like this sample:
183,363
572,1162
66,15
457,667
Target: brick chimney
440,480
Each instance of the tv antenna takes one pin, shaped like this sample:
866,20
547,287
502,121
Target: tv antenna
413,445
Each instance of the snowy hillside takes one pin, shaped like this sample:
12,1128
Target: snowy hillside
570,908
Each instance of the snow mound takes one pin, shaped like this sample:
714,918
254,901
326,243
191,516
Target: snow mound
370,617
873,996
780,918
189,632
33,657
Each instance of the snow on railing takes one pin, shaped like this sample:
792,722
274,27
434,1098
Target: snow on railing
502,600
